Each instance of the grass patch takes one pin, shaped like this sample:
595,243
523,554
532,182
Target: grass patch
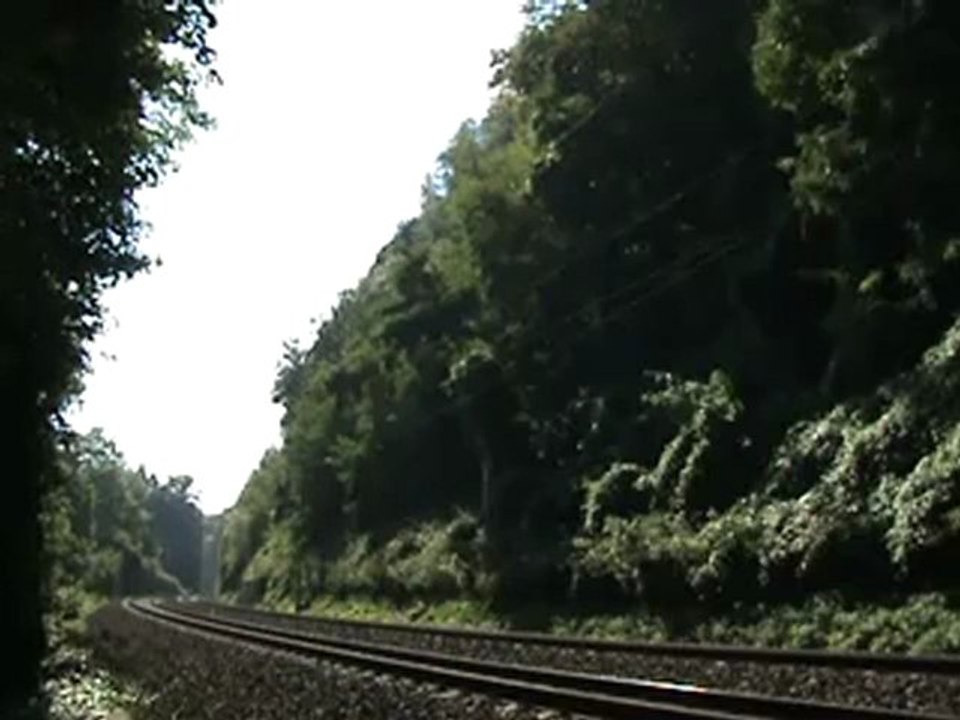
469,613
928,623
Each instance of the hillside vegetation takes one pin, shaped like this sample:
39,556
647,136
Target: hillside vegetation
112,531
675,328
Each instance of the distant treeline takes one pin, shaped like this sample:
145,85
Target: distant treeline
113,531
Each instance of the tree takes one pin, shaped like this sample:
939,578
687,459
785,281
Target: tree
658,324
108,542
92,105
177,525
210,562
873,171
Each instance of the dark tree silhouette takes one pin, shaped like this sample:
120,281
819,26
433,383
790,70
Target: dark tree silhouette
76,141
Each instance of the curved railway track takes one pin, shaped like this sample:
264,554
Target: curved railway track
877,662
589,694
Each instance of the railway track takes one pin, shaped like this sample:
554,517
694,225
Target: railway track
877,662
583,693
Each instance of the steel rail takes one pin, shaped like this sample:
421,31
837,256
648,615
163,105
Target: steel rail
598,695
855,660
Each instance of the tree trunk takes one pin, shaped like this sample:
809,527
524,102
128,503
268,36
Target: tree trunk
21,598
486,478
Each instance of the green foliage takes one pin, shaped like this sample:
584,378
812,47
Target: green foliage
212,545
926,623
728,566
465,612
93,104
648,555
177,525
866,80
615,491
873,168
108,531
873,479
704,420
927,506
245,528
915,624
657,334
281,570
707,443
436,561
77,690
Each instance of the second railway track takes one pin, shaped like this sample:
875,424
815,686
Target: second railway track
843,660
584,693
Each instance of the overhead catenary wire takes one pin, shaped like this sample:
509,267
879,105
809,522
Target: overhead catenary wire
629,296
643,295
646,288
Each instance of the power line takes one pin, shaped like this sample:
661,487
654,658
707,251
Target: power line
645,295
658,210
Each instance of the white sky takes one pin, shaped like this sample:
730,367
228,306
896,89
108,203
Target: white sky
330,116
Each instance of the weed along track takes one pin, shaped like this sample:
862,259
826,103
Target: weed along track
398,632
521,681
909,683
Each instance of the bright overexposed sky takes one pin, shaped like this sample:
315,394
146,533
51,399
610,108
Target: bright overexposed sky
330,116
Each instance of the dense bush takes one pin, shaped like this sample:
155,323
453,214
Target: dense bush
433,560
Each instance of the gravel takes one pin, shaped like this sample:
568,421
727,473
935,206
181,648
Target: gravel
196,675
934,694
